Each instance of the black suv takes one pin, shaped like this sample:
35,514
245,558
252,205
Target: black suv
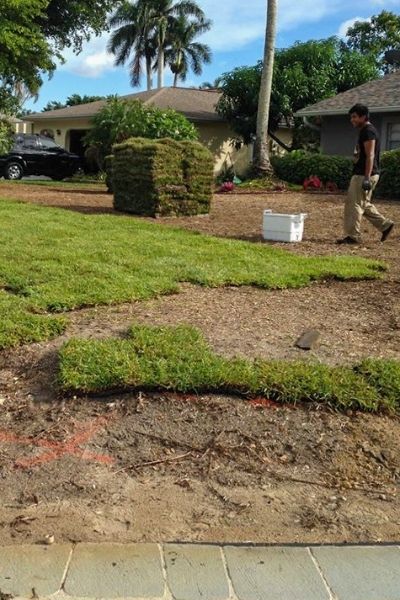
38,155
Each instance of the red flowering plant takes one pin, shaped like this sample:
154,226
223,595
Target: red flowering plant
312,183
227,186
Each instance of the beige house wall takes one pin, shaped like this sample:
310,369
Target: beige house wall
216,136
23,127
61,129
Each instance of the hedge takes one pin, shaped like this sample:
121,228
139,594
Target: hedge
389,183
162,177
180,359
298,165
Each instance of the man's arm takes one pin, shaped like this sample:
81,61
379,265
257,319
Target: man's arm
369,146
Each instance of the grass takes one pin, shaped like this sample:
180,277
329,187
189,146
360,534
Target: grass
269,184
53,260
179,359
71,183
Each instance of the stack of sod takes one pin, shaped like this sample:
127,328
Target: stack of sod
198,166
159,177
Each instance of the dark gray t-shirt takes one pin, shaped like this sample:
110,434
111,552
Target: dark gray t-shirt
368,132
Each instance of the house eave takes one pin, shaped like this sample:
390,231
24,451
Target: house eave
33,119
344,111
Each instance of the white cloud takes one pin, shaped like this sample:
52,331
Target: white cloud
236,24
345,26
93,61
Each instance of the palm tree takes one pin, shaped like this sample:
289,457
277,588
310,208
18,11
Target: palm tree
208,85
182,51
261,154
134,37
164,14
143,32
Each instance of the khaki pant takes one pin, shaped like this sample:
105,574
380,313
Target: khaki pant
359,203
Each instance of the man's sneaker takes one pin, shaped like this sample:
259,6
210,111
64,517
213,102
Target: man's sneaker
387,232
347,240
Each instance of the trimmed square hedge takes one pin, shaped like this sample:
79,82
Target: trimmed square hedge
162,177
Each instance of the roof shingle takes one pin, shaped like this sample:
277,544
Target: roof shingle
196,105
380,95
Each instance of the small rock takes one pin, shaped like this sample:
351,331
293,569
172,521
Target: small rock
49,539
308,340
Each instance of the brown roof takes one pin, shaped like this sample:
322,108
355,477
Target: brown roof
197,105
381,95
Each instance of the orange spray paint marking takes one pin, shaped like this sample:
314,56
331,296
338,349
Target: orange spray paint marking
56,450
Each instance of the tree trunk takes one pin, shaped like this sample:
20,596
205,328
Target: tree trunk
261,153
160,77
149,74
176,75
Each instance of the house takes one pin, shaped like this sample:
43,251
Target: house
382,96
19,125
69,125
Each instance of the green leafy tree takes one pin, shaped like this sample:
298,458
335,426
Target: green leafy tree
376,36
183,53
69,23
122,119
73,100
6,135
305,73
24,52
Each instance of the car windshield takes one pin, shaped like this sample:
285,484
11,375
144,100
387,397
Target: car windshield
48,144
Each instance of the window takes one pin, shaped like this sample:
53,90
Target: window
48,144
393,138
30,142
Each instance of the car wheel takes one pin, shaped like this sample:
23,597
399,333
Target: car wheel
13,171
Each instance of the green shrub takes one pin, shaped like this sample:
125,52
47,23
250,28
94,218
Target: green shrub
108,166
389,183
296,166
6,135
120,120
180,359
162,177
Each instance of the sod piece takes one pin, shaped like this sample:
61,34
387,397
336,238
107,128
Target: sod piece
179,359
52,260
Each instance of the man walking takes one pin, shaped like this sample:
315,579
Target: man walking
364,180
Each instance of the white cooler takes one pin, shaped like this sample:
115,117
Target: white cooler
283,228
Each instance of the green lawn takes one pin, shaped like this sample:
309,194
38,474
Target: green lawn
179,359
54,260
68,183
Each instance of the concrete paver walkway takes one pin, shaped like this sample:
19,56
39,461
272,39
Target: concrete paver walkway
200,572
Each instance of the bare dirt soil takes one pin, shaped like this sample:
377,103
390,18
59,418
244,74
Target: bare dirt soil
163,467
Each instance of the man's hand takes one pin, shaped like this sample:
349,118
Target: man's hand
367,185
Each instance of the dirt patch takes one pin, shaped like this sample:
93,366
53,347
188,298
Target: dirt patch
196,468
165,467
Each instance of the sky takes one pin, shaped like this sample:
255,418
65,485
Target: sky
236,39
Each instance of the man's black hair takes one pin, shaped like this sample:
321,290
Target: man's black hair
360,109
